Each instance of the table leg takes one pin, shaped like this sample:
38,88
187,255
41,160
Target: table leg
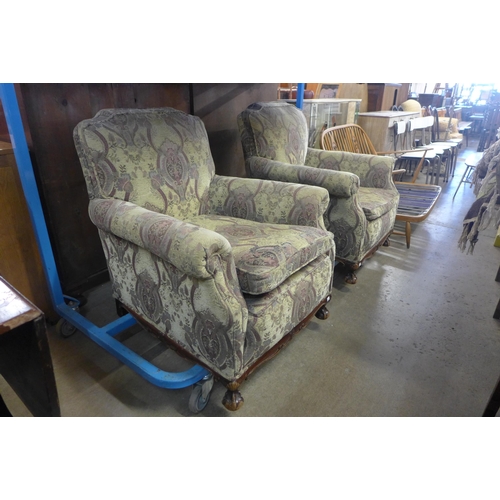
408,234
466,173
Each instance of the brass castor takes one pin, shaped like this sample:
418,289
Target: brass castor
233,400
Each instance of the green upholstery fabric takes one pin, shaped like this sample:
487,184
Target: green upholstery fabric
375,202
266,254
276,136
363,197
224,267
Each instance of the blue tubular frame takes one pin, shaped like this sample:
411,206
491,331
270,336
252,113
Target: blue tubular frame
102,336
299,103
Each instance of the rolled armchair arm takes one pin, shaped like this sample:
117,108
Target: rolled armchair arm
191,249
268,201
338,184
372,170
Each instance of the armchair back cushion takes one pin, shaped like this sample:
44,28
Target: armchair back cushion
276,131
158,159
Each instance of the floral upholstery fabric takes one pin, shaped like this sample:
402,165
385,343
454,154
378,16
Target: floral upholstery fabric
224,329
266,254
375,202
277,136
263,201
363,197
224,267
157,160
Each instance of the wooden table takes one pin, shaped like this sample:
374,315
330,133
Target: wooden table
25,360
415,204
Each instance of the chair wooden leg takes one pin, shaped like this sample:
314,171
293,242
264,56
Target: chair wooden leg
408,234
232,400
351,277
322,313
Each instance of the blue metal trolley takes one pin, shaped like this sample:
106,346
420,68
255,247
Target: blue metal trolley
67,307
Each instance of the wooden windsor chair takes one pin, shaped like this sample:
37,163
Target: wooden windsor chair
416,200
354,139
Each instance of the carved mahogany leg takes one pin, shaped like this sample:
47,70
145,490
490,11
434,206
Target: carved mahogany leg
233,400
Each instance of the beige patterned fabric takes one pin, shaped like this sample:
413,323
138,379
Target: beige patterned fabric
267,254
363,197
224,267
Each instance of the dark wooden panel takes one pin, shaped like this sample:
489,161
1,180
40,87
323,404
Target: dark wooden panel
52,112
218,105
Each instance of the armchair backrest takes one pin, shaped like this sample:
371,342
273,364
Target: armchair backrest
157,158
274,130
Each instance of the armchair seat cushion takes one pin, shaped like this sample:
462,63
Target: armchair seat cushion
376,202
266,255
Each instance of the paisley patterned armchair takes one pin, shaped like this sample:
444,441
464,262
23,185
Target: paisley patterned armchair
363,197
224,268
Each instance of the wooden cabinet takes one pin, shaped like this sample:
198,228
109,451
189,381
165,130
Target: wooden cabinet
383,96
20,262
379,126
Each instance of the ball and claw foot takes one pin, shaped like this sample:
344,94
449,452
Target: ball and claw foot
351,278
233,400
322,313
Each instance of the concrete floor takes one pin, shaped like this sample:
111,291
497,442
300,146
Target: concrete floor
414,337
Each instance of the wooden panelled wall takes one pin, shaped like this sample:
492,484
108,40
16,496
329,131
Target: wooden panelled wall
51,111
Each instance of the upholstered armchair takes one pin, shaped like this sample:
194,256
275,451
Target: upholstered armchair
226,269
363,197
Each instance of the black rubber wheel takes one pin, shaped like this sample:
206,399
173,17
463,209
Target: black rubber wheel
65,329
201,394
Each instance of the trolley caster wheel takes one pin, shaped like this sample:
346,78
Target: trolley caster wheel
65,329
201,394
